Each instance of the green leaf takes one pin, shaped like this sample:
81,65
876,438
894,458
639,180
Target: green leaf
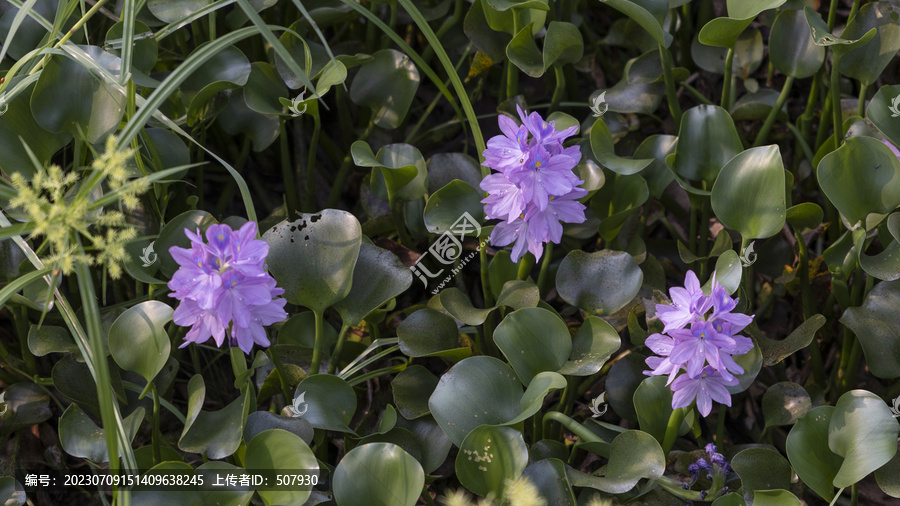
23,405
784,403
592,346
775,498
138,340
259,421
728,271
263,89
313,258
97,112
888,477
18,128
301,329
215,434
793,52
523,52
80,436
562,44
549,476
447,205
868,62
653,405
378,473
633,455
533,341
748,195
601,283
872,185
330,402
476,391
236,118
805,215
279,449
774,351
761,469
173,235
646,13
403,173
880,112
48,339
378,277
723,32
489,457
708,140
604,151
411,390
884,265
751,362
427,331
386,84
864,432
174,10
533,399
822,36
807,449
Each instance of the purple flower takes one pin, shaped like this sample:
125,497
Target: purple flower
700,342
708,386
223,286
535,189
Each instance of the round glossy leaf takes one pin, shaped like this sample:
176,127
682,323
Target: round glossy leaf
868,62
216,434
533,399
861,177
784,403
653,405
219,497
728,271
378,276
751,362
386,84
80,436
447,205
748,195
707,141
18,121
805,215
138,340
260,421
523,52
445,167
762,469
743,9
236,118
649,14
427,331
562,44
592,346
411,390
96,113
793,51
863,431
23,405
73,379
657,175
807,449
476,391
488,457
633,455
882,111
301,329
378,473
723,32
330,402
533,341
279,449
146,50
757,106
313,258
173,235
264,88
604,151
775,498
623,380
550,479
402,172
877,326
229,64
888,477
601,283
48,339
434,443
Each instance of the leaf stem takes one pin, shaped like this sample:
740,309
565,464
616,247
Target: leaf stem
726,85
835,93
770,119
672,427
671,93
320,341
337,348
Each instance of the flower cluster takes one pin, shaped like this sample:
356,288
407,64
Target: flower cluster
716,467
701,344
223,286
56,211
534,188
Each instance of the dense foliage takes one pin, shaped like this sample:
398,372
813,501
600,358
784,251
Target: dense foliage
511,252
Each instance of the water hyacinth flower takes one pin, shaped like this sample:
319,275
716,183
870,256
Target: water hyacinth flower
700,338
223,287
534,190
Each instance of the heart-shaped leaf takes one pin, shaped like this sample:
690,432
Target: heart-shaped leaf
807,449
313,258
863,431
533,341
601,283
592,346
216,434
877,326
278,449
427,331
378,473
80,436
793,51
378,276
329,401
489,457
784,403
633,455
386,84
748,195
707,140
138,340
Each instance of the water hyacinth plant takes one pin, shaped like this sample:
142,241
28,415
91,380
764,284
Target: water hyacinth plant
449,252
